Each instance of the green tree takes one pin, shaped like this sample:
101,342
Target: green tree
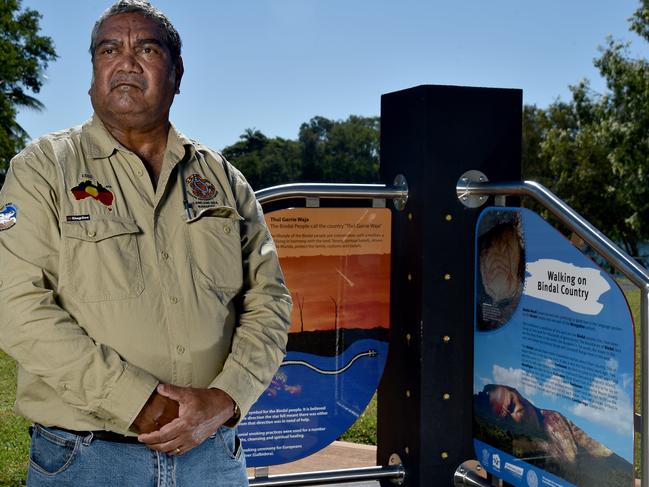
594,150
314,135
345,151
326,150
24,55
265,162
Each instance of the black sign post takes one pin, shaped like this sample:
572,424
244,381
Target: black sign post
432,135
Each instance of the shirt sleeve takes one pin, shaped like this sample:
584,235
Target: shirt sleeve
259,341
34,329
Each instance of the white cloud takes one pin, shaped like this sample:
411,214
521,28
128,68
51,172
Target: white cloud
612,365
556,386
611,413
627,380
549,363
525,383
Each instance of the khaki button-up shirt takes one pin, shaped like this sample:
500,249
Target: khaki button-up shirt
108,286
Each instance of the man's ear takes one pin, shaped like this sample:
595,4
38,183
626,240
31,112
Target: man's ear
92,80
180,70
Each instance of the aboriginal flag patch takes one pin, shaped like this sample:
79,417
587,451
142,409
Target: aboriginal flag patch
87,189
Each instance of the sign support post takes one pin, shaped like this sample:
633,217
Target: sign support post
432,135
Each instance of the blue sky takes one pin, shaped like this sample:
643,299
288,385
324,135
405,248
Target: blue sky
274,64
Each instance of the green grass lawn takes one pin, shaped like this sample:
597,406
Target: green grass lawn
364,429
633,297
14,439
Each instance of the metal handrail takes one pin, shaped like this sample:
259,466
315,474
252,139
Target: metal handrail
467,476
573,220
330,190
624,263
395,473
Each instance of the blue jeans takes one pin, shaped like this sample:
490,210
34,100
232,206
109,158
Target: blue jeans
59,458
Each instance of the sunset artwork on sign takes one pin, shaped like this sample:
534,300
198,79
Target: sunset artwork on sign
336,263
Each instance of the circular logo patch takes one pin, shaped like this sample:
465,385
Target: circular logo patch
8,216
201,187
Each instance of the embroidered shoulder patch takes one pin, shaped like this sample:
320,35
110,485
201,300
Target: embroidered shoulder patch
8,216
201,187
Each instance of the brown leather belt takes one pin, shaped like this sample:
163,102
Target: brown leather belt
99,435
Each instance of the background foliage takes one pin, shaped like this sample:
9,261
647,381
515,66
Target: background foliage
24,55
326,150
593,151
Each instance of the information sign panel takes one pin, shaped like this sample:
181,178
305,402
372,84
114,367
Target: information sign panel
554,359
336,262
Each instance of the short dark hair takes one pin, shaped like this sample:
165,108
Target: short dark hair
144,8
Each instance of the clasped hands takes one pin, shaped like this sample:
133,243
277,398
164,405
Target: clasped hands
177,419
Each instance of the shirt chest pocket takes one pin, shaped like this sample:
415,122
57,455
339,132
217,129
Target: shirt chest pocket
102,260
214,243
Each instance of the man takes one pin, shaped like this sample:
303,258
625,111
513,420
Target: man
140,290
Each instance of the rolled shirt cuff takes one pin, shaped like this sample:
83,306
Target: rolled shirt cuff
241,386
126,398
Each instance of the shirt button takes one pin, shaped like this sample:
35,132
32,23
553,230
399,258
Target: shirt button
227,229
140,172
165,255
92,234
173,299
180,349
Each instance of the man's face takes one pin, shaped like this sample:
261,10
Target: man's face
134,80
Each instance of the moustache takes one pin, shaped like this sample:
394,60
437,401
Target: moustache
130,80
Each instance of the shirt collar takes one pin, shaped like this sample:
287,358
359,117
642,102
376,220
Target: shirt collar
98,143
177,143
